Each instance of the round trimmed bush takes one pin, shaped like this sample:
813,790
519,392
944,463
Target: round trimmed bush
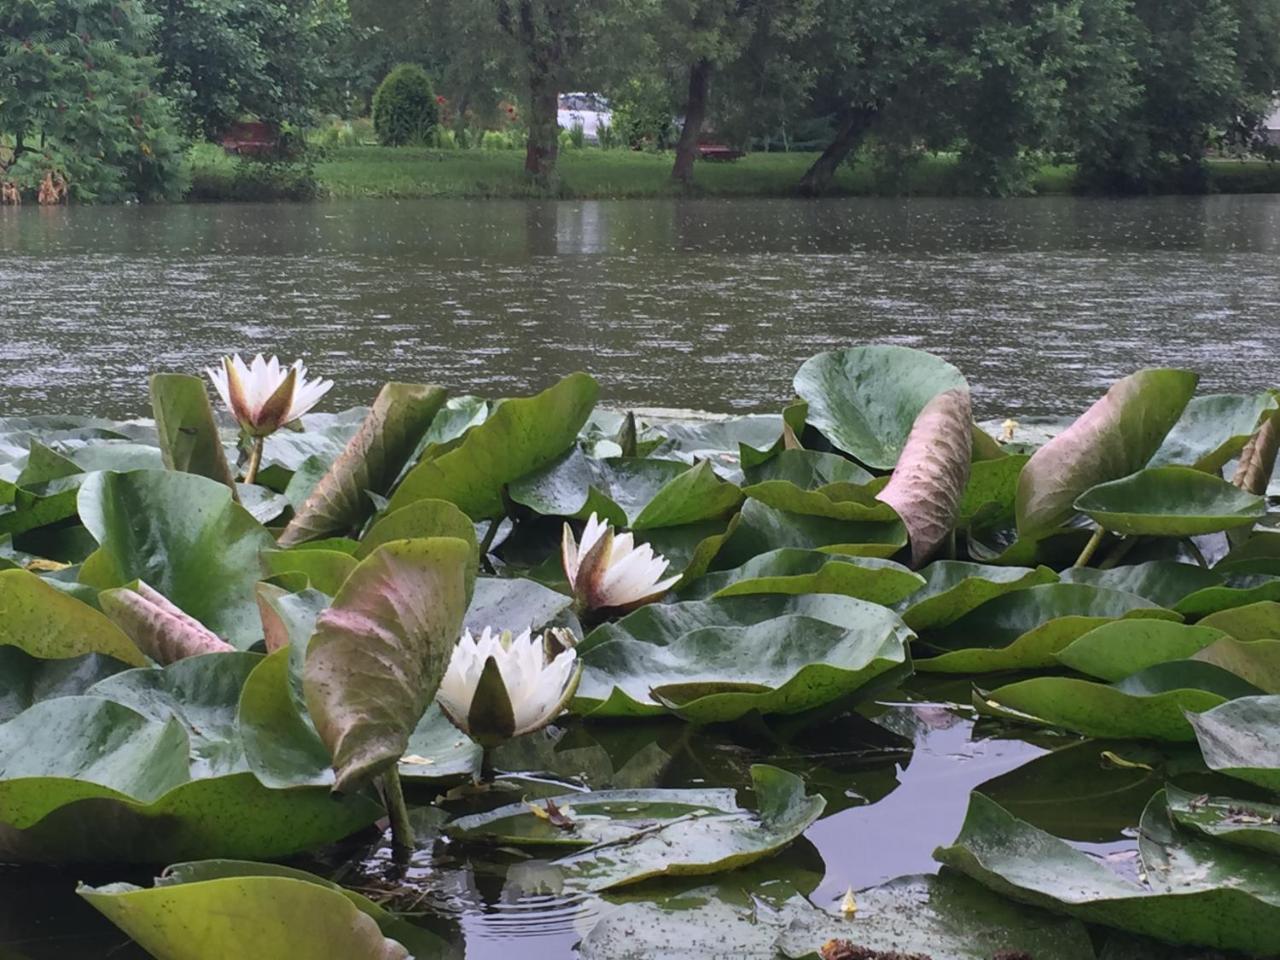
404,107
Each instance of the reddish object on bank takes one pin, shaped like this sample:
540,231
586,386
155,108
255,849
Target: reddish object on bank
719,151
251,138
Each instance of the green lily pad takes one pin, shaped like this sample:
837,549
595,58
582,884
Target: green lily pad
271,917
1027,629
1256,621
47,623
807,469
865,399
1163,582
761,528
1257,661
184,536
953,588
519,437
1170,502
1254,826
279,741
585,819
1213,430
1112,439
1237,590
201,693
513,604
938,916
25,680
437,750
837,501
420,520
1015,859
716,660
989,496
1118,649
187,433
1239,739
700,844
325,570
1151,704
811,571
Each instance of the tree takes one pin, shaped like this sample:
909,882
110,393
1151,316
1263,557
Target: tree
77,101
228,59
1204,69
710,37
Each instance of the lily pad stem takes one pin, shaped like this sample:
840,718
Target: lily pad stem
487,772
487,542
402,836
1090,548
255,460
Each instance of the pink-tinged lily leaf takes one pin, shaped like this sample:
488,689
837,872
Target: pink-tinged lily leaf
371,462
379,652
1258,459
1112,439
160,629
932,472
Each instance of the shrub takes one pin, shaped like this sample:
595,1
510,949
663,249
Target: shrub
444,139
607,138
497,140
404,107
577,136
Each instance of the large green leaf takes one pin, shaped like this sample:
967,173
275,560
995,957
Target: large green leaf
1170,502
1118,649
201,693
1112,439
1027,628
937,916
513,604
25,679
1235,590
380,650
279,741
811,571
1254,826
762,528
373,459
851,503
438,751
1213,430
585,819
865,399
1163,582
932,473
1256,621
519,437
1257,661
989,497
807,469
187,432
716,660
326,570
267,917
1239,739
1151,704
1019,861
700,844
953,588
47,623
420,520
183,535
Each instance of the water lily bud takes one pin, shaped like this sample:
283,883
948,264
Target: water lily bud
611,572
264,396
498,686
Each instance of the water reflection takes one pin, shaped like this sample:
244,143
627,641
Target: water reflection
706,304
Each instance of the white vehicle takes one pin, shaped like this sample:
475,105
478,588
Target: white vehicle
588,110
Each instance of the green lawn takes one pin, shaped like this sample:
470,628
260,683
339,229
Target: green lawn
405,172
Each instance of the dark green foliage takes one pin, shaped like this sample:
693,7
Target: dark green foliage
404,107
78,101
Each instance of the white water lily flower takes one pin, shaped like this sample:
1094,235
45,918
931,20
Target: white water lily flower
263,396
498,686
611,572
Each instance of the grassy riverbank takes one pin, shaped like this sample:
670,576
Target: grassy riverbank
370,171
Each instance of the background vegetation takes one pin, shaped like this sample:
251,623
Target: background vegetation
975,96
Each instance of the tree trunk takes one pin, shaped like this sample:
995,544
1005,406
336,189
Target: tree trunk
855,122
544,131
695,111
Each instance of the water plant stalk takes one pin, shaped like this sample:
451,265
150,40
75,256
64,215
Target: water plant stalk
1090,548
255,460
403,840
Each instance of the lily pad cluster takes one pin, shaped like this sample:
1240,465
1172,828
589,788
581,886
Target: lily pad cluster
221,639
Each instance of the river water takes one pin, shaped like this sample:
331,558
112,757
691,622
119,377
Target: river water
708,304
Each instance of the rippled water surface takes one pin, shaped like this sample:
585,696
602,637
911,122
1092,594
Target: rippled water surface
707,304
